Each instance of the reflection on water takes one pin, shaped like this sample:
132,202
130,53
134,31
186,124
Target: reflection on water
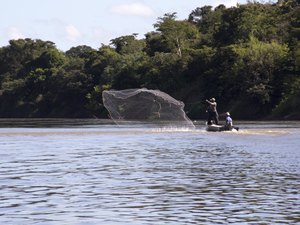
93,172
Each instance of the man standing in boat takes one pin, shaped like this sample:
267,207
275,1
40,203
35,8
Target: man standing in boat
212,111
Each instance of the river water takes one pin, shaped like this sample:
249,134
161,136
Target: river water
91,172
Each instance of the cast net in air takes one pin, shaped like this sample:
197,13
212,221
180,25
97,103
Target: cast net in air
153,106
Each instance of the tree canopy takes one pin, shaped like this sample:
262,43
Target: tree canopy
247,57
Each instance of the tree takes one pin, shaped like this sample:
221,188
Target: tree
82,51
16,58
154,43
128,44
177,36
208,21
247,57
51,58
257,63
99,63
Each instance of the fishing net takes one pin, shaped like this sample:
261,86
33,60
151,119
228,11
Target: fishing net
153,106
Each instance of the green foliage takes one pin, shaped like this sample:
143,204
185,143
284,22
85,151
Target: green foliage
289,106
247,57
82,51
256,63
259,21
176,35
208,21
128,44
50,59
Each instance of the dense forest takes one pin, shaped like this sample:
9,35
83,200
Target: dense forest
247,57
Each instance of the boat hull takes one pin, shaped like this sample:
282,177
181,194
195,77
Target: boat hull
213,127
216,128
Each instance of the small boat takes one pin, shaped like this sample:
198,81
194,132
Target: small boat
215,128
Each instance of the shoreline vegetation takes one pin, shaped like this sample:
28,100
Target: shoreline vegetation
247,57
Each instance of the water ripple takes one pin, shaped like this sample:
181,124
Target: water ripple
149,178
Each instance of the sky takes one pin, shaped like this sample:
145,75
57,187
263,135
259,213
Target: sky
70,23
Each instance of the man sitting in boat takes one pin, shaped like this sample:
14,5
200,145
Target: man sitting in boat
228,123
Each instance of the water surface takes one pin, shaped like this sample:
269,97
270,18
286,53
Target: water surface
94,172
